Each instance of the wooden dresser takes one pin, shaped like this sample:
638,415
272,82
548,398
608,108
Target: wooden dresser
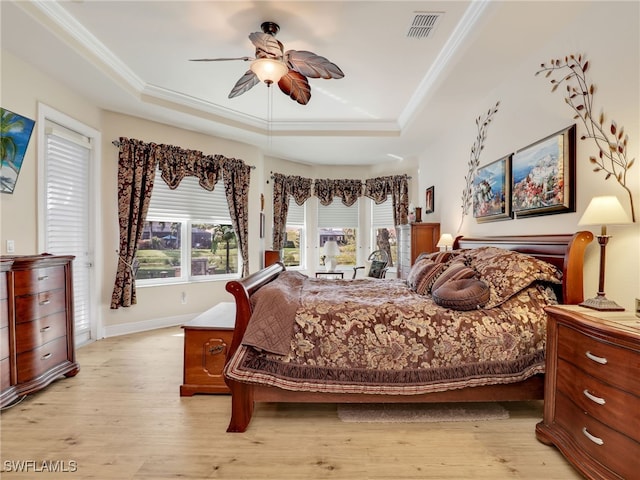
414,239
592,391
37,324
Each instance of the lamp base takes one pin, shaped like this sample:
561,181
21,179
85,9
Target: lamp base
602,303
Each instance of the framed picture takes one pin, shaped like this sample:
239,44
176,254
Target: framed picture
428,204
16,132
544,181
492,191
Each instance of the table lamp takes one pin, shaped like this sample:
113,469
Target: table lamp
331,251
446,241
605,210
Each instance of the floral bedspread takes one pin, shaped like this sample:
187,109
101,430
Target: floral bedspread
379,336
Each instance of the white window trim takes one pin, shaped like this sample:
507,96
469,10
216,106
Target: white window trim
45,113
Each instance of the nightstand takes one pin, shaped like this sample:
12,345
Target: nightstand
592,390
206,341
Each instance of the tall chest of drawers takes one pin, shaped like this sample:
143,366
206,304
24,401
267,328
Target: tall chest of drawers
592,391
414,239
39,324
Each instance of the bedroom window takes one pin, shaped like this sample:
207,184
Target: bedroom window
340,223
188,235
292,251
383,231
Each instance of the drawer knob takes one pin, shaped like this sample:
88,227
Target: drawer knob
593,398
44,329
595,358
43,277
45,302
46,355
593,438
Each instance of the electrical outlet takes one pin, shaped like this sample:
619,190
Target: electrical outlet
637,307
11,246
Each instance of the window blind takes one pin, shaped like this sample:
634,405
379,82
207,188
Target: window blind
338,215
67,160
296,213
188,202
382,215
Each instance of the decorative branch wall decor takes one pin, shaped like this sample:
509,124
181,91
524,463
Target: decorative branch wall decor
474,161
610,139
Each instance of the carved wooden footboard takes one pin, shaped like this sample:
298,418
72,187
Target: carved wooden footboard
564,251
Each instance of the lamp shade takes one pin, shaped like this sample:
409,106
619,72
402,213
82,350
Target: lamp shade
268,70
605,210
331,248
446,240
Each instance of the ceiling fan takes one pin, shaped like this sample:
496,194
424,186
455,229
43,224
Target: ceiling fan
272,64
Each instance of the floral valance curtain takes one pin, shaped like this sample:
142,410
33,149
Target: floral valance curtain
285,187
348,190
137,162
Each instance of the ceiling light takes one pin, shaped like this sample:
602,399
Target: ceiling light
268,70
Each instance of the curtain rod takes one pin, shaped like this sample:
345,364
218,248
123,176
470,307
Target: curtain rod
116,143
313,179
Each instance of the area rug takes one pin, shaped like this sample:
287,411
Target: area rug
421,412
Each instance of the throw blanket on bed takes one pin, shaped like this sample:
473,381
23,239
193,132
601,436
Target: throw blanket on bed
379,336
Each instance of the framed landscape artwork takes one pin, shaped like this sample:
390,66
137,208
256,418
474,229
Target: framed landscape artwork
15,131
491,191
544,176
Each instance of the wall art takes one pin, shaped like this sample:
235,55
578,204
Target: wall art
492,191
544,175
429,199
15,132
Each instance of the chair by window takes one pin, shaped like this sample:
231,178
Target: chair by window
379,261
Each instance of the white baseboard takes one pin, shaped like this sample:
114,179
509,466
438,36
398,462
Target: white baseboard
146,325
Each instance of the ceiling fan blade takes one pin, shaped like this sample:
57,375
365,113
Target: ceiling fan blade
311,65
296,86
246,82
244,59
266,44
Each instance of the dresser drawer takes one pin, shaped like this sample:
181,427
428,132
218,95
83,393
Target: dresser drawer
618,452
4,342
4,313
30,307
5,374
37,361
609,405
30,335
38,280
613,364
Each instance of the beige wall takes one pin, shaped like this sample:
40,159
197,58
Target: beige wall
528,111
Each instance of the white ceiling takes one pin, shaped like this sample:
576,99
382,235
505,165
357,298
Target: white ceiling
132,57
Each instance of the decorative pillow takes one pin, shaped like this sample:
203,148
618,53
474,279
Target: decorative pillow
508,272
456,270
422,275
439,257
463,294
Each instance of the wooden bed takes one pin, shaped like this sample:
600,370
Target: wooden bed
566,252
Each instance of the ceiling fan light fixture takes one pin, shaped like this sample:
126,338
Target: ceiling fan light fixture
268,70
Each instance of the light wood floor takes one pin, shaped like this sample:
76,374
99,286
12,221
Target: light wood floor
122,418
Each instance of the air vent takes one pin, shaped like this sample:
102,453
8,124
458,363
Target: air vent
423,24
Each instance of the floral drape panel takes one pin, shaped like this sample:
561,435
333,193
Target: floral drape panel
236,186
137,164
285,187
136,172
400,195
